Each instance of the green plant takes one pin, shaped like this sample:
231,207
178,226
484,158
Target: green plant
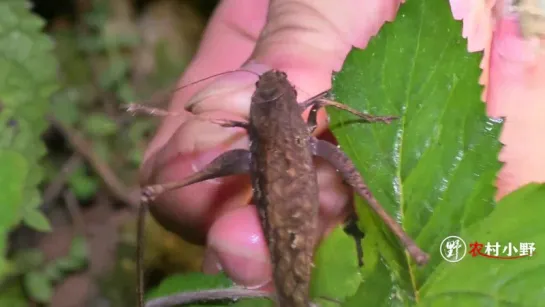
24,99
35,277
434,169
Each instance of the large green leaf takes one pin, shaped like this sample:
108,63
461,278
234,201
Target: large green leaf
434,168
482,281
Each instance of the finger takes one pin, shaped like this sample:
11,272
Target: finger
232,29
191,210
305,76
236,245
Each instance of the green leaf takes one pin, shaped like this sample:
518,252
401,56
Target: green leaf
65,106
336,274
481,281
78,249
53,271
83,185
12,182
68,264
12,295
375,290
38,286
99,125
27,80
115,73
29,259
189,282
75,260
37,220
195,281
433,168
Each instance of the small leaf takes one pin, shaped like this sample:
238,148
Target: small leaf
99,125
126,92
12,180
36,219
136,156
38,286
78,249
65,106
68,264
83,185
336,273
114,74
375,290
189,282
29,259
53,271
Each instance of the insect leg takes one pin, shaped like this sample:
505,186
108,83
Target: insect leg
352,229
233,162
344,165
321,100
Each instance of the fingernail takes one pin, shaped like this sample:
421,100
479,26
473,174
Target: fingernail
211,264
212,141
244,267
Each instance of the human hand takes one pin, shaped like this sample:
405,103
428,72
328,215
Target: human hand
307,39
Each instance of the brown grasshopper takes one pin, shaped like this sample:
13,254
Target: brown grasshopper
285,187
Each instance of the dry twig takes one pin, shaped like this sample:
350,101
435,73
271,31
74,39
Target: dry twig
83,148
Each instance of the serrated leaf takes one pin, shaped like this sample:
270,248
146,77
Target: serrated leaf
35,219
481,281
189,282
38,286
433,169
99,125
336,274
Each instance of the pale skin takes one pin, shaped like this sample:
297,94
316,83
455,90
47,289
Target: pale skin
308,40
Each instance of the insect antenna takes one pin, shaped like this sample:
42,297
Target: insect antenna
144,107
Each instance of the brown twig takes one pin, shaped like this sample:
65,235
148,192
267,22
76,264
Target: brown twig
54,189
83,148
73,207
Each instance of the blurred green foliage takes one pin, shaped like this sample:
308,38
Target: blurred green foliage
81,74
